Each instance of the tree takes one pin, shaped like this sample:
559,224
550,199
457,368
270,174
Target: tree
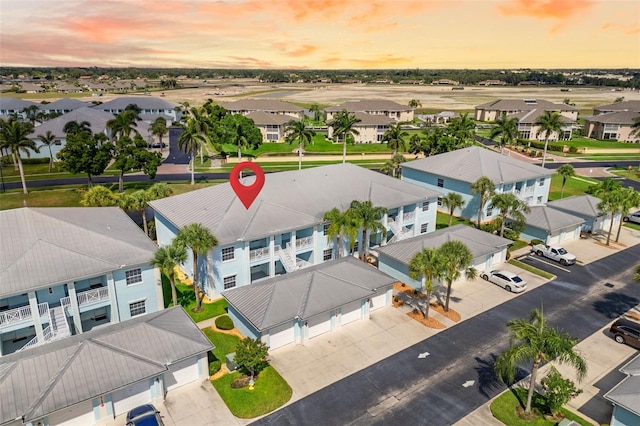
548,123
31,113
159,128
635,127
485,188
457,257
343,126
636,274
535,341
340,227
241,132
14,136
159,190
566,171
132,154
557,390
99,196
415,103
137,201
297,131
629,198
190,141
166,258
462,128
123,124
452,201
317,111
509,205
48,139
251,356
507,129
85,153
367,217
427,265
73,127
605,187
415,144
392,167
200,240
394,137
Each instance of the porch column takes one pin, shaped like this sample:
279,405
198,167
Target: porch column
294,249
416,225
113,298
385,223
157,276
75,309
35,314
246,254
272,259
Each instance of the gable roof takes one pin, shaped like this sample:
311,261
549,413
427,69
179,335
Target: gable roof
616,117
51,377
289,200
267,105
586,205
549,219
469,164
480,243
531,116
14,104
261,118
64,104
524,105
366,105
307,292
627,393
95,117
144,102
45,246
372,119
619,106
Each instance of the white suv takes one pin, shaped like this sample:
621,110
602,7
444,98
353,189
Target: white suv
633,217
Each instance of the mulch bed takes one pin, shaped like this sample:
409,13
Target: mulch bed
452,315
429,322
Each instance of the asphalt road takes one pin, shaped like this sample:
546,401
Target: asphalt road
404,389
175,155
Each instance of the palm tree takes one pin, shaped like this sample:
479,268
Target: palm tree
394,137
605,187
137,201
428,265
200,240
340,227
452,201
457,257
636,275
201,122
14,136
159,190
537,342
31,113
628,199
415,103
415,144
463,128
391,167
48,139
342,125
159,128
635,127
123,124
509,205
566,171
548,123
316,110
485,188
367,217
298,131
167,258
189,141
99,196
73,127
507,129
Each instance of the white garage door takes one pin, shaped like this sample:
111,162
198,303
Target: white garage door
319,324
130,397
553,239
181,373
76,415
379,301
281,335
351,312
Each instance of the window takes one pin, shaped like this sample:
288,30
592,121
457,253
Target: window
229,282
133,276
228,253
539,200
439,201
425,206
441,182
355,247
542,182
327,254
325,229
490,210
424,228
138,308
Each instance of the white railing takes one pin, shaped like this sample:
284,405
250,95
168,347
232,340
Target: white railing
47,334
287,260
21,314
408,217
65,302
91,296
43,308
259,253
304,242
399,232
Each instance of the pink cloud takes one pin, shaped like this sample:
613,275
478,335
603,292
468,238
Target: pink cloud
545,9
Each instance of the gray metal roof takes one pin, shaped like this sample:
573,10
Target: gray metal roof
619,106
51,377
586,205
307,292
549,219
64,104
627,393
616,117
144,102
261,118
531,116
267,105
15,104
470,164
96,118
480,243
522,105
289,200
372,119
45,246
369,105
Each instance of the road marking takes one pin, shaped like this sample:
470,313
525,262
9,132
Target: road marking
423,355
468,383
536,258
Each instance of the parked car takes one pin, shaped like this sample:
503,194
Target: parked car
626,331
505,279
633,217
556,253
157,145
144,415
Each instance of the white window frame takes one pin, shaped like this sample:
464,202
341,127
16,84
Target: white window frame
440,183
135,302
424,228
439,201
425,206
542,182
132,272
327,254
225,283
226,249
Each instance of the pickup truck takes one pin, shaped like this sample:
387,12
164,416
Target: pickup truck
556,253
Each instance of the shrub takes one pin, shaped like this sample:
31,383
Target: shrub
536,242
251,356
223,322
214,363
573,149
35,160
558,391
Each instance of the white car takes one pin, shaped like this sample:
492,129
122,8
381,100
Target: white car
505,279
633,217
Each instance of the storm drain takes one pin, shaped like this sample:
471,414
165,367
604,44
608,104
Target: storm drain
610,285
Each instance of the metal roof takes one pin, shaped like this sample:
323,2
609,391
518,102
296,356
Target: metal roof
524,105
619,106
289,200
531,116
268,105
307,292
586,205
470,164
627,393
64,104
51,377
261,118
549,219
96,118
369,105
616,117
144,102
372,119
480,243
45,246
15,104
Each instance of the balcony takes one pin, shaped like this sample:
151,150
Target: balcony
23,313
408,217
259,254
93,296
304,242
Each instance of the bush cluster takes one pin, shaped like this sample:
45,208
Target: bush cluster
223,322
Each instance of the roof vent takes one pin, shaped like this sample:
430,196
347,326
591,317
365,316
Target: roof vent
530,101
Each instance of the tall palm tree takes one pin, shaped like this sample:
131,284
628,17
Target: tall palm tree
391,167
189,141
635,127
629,199
200,120
48,139
31,113
166,258
463,128
394,137
415,144
297,131
509,205
123,124
200,240
605,187
427,265
159,128
316,110
548,123
485,188
340,227
566,171
415,103
507,129
457,257
537,342
452,201
343,126
367,217
14,137
137,201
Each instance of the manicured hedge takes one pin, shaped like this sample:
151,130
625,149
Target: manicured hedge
224,322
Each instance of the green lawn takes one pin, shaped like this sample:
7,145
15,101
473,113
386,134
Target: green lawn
271,391
187,299
632,226
517,245
582,142
442,221
531,269
224,344
574,186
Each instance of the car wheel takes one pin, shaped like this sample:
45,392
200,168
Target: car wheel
508,288
539,253
619,338
563,262
485,277
625,219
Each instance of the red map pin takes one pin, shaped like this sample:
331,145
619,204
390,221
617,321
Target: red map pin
247,193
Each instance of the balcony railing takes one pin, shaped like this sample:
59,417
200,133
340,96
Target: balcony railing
259,253
408,217
304,242
21,314
92,296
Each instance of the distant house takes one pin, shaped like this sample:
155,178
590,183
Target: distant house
586,207
31,88
63,106
150,107
625,396
492,83
370,128
445,82
551,225
413,82
617,107
272,126
246,106
614,125
64,87
14,106
528,129
390,109
494,109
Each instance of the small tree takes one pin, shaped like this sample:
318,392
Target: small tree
99,196
251,356
558,391
452,201
566,171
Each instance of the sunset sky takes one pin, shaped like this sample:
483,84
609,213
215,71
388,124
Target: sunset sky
326,34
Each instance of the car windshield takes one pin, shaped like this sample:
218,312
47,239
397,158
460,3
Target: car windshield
516,279
562,251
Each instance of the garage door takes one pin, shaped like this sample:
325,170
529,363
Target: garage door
281,335
553,239
76,415
351,312
130,397
379,301
181,373
319,325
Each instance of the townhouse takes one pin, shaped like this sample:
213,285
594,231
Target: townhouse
150,107
390,109
370,128
14,106
63,106
614,122
247,106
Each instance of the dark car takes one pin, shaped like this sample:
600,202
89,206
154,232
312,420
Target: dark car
144,415
626,331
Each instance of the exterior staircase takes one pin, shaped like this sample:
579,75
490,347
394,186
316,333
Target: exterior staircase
399,232
287,258
58,328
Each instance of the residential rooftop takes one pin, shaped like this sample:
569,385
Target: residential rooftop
550,219
268,105
15,104
96,118
524,105
65,104
369,105
616,117
144,102
580,204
